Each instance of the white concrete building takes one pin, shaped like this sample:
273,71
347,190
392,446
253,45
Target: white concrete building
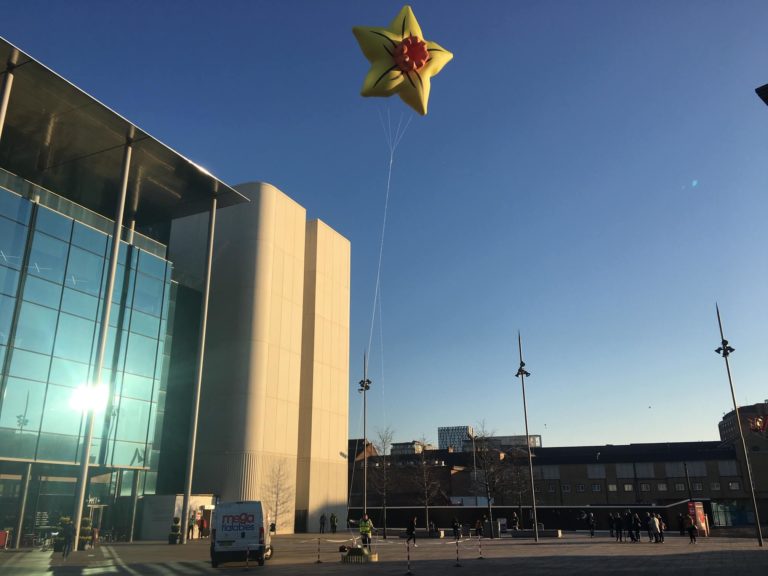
274,404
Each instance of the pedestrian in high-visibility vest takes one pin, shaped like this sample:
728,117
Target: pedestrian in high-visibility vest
366,527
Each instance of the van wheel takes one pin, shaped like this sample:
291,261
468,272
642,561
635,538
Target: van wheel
268,553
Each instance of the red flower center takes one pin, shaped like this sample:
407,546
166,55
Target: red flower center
411,54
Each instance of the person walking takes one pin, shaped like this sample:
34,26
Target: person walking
662,527
648,526
690,526
628,527
366,529
322,523
411,532
617,527
610,523
456,528
334,522
653,524
69,534
637,525
191,526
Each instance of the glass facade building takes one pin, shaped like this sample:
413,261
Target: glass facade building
52,282
73,173
52,279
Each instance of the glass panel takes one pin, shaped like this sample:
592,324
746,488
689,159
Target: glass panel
151,265
129,454
13,238
57,447
119,315
42,292
54,224
145,324
141,355
148,296
121,276
60,416
14,207
22,405
84,271
74,338
110,362
2,355
35,328
6,317
68,373
80,304
48,258
9,281
133,420
29,365
137,387
17,443
89,238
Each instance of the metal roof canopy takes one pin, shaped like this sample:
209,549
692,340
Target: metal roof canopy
60,138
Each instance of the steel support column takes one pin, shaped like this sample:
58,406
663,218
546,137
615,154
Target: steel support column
134,501
23,507
198,373
5,94
101,345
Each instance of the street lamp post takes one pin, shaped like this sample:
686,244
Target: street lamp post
522,373
725,350
365,385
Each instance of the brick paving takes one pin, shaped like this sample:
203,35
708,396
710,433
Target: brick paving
297,555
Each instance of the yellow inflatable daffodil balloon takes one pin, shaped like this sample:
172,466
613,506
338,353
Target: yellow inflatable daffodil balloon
402,62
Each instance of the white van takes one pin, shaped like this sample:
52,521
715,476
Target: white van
239,533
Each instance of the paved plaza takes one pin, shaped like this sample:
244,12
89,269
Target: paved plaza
298,555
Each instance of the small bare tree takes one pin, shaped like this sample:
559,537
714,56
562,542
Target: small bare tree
279,490
381,477
425,479
493,470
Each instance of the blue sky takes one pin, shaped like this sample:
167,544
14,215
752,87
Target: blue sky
593,174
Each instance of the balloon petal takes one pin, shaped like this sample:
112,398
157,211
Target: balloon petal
405,24
383,79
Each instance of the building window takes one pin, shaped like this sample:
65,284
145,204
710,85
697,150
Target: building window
612,487
548,472
679,487
597,488
661,486
734,485
566,488
644,470
629,487
728,468
715,486
645,487
595,471
551,488
697,487
579,487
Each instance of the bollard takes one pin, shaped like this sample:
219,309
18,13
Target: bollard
318,552
408,556
458,564
479,548
247,556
